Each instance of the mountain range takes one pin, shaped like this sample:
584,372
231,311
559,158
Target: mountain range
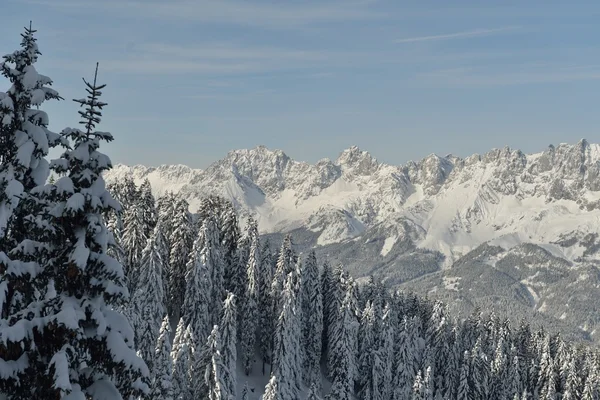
513,231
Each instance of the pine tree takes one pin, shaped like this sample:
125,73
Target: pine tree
212,258
464,391
134,241
181,240
573,382
286,347
273,390
184,348
265,307
148,206
342,354
195,310
216,374
148,299
250,315
162,387
312,324
230,236
24,143
286,264
83,343
228,335
418,389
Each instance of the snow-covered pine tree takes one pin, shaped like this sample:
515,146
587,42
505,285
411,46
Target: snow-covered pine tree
312,324
286,264
184,353
333,304
217,373
273,390
134,241
182,240
386,351
285,353
327,295
250,314
24,144
418,388
342,353
265,307
195,311
162,385
228,337
148,206
230,235
464,390
147,302
85,346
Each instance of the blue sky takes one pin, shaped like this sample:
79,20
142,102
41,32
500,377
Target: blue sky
190,80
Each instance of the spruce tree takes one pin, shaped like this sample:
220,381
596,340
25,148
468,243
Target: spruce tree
273,390
181,240
184,348
148,299
85,345
250,315
148,206
162,386
265,308
342,354
286,348
312,324
217,374
230,236
24,144
134,241
195,311
228,337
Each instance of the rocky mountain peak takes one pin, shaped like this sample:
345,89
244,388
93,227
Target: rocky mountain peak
357,162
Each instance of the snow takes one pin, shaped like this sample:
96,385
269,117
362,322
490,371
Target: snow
388,244
341,200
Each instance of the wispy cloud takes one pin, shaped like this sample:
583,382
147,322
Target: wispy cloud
236,12
512,75
458,35
216,59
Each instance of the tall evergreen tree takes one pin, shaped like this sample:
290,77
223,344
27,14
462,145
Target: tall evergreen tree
286,348
265,308
182,240
312,324
250,314
217,373
134,241
24,143
195,310
228,336
342,354
148,299
84,345
184,349
162,386
147,204
229,238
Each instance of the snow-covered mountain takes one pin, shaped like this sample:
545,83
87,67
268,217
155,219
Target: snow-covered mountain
416,220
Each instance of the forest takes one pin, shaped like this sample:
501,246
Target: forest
109,293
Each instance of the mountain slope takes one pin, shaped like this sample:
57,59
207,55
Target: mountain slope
421,223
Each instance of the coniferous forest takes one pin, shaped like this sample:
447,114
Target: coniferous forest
111,293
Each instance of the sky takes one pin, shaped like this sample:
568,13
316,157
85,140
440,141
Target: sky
187,81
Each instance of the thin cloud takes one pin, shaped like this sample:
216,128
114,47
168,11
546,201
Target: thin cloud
279,15
457,35
515,75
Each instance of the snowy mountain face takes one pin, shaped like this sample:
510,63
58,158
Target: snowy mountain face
429,224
